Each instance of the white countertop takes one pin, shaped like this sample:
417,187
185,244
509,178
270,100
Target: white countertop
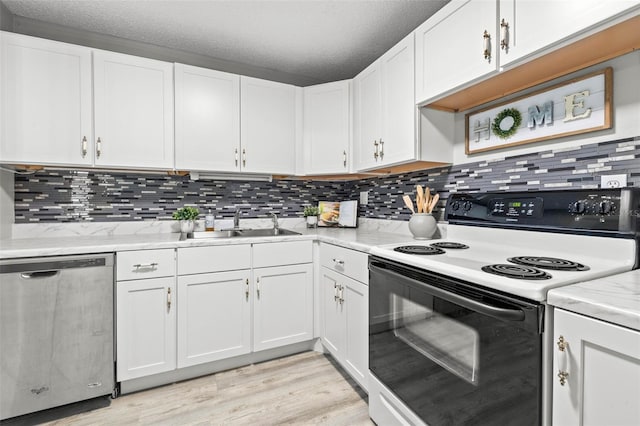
357,239
615,299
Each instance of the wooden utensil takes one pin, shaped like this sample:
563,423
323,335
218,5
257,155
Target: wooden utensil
427,199
408,203
435,200
420,198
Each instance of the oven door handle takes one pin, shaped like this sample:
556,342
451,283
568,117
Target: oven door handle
483,308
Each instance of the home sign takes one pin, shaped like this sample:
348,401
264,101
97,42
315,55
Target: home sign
572,107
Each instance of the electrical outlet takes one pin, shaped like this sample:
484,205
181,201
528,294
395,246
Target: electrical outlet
364,198
613,181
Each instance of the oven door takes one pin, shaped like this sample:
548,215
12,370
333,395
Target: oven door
454,353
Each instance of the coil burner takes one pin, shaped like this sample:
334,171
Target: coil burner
421,250
552,263
516,271
450,245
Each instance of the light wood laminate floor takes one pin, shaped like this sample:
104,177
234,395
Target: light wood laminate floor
302,389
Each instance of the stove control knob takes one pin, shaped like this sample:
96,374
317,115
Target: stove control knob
578,207
455,206
466,206
605,207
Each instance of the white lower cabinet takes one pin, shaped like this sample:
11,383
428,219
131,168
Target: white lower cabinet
214,317
283,306
226,301
146,327
600,364
345,333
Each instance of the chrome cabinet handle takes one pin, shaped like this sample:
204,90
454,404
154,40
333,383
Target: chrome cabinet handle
145,265
344,158
338,261
258,287
563,347
98,148
85,146
236,156
244,157
504,35
341,294
487,45
246,292
335,292
375,152
381,149
168,298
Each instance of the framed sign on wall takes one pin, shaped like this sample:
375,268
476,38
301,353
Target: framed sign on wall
580,105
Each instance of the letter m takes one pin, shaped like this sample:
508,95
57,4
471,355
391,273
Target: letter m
537,117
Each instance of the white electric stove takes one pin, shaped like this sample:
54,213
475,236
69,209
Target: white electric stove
459,328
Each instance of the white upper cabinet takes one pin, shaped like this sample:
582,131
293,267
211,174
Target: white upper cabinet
367,117
327,128
207,115
384,109
267,126
46,102
469,40
532,25
451,45
133,99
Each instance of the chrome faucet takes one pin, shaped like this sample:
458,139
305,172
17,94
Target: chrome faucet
236,218
275,221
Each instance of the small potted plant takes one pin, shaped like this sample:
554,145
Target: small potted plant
187,216
311,213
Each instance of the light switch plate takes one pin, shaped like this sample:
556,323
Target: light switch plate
364,198
613,181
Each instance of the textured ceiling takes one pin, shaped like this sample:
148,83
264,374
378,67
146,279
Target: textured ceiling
320,40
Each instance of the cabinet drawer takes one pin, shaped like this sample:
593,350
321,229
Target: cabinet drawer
200,260
283,253
139,264
346,261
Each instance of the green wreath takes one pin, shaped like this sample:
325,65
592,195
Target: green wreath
509,112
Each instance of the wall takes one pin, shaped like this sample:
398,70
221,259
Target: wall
6,203
626,112
80,196
74,196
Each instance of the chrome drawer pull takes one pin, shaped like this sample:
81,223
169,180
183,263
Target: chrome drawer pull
338,262
145,265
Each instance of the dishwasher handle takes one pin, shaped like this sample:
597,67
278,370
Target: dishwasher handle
39,274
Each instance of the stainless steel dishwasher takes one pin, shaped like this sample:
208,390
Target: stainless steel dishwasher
56,331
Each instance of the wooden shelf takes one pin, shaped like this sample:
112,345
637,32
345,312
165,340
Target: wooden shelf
615,41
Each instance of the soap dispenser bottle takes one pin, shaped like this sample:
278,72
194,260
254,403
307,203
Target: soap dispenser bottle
209,221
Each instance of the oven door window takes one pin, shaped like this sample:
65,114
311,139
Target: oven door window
440,338
450,364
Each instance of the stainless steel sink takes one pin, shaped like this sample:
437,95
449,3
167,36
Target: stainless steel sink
270,232
235,233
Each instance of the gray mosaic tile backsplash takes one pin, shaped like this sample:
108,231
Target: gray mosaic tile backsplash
74,196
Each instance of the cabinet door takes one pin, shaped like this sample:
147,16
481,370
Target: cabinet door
268,126
562,20
368,116
146,327
283,309
356,350
207,119
214,317
332,331
450,47
398,143
327,128
603,365
46,102
133,111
